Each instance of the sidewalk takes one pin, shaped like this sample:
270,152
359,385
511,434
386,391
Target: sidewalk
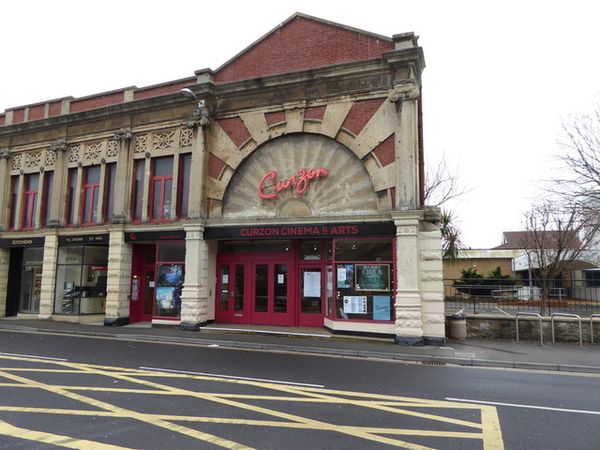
568,357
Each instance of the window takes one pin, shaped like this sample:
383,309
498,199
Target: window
161,189
71,190
47,197
14,195
90,192
30,196
363,279
183,190
171,275
137,192
109,191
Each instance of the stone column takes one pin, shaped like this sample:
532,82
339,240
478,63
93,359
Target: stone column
49,265
199,123
121,204
194,296
119,279
409,323
4,189
59,185
405,95
4,263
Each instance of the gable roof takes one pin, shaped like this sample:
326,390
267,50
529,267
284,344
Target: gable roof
525,239
303,42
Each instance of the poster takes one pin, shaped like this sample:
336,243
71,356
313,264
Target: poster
345,276
280,278
355,304
312,284
372,277
170,275
165,297
381,307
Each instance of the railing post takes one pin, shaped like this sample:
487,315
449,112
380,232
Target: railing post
592,326
567,315
534,315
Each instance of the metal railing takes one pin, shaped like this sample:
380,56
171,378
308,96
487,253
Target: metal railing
575,316
521,313
592,326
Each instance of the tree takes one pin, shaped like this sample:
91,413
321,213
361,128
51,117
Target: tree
441,186
556,233
581,144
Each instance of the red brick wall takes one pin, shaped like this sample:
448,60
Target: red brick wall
18,115
162,90
36,112
96,102
235,129
315,113
54,109
360,113
215,166
275,117
302,44
2,119
385,151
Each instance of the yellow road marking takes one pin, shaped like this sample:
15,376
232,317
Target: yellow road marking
54,439
488,431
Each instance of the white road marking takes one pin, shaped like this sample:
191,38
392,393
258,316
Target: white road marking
33,356
217,375
516,405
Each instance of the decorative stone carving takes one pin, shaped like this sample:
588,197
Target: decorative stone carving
74,154
50,158
185,137
33,159
404,90
92,152
200,117
163,141
141,143
16,162
112,148
59,146
4,153
124,134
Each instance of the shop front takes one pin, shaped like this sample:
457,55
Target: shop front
308,275
157,275
24,275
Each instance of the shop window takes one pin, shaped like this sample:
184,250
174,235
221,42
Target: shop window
14,195
109,191
137,193
363,280
47,197
161,186
183,191
90,192
310,250
31,280
30,198
171,276
71,191
81,275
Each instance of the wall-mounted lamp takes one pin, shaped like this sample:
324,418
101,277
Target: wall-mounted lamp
200,116
188,93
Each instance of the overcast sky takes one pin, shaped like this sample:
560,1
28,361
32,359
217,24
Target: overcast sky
500,76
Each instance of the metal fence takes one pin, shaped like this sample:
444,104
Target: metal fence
507,297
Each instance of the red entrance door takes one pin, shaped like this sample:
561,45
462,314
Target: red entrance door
272,300
141,305
232,292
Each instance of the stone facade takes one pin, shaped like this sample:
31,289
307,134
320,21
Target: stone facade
354,107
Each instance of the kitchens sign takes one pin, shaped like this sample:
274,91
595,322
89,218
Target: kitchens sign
270,187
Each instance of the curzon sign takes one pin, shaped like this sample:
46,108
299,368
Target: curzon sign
270,187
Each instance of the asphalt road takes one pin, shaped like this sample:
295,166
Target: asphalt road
133,395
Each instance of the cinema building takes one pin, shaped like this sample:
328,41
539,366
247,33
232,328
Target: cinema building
284,188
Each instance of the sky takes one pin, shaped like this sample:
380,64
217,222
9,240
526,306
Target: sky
501,77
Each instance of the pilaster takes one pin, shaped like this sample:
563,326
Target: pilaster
59,184
4,263
199,164
49,263
119,278
409,322
121,205
405,95
194,296
4,188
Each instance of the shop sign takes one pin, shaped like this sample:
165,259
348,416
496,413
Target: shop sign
269,186
301,231
152,236
83,239
22,242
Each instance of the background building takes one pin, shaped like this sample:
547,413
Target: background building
288,191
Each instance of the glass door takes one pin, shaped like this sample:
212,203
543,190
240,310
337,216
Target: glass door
31,287
231,292
271,293
311,305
